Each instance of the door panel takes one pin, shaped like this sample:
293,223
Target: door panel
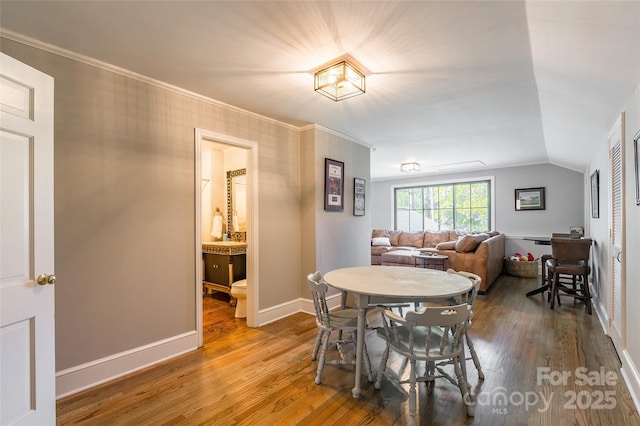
27,355
616,310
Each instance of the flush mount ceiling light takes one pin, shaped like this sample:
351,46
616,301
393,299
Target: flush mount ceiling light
339,81
409,167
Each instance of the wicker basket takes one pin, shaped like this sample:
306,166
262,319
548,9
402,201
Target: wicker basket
523,269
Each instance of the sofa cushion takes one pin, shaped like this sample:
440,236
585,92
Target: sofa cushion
394,237
446,245
380,241
433,238
398,258
470,242
412,239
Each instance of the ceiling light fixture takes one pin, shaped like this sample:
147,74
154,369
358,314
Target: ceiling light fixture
409,167
339,81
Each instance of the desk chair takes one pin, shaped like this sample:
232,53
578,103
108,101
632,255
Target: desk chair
570,257
433,335
340,320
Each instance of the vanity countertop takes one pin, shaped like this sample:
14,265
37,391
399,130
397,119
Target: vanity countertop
225,247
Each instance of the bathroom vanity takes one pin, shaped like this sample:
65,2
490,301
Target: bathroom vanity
224,262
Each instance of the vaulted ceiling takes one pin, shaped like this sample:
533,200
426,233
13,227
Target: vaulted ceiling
504,83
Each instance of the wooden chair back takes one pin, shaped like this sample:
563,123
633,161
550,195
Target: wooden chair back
318,290
570,250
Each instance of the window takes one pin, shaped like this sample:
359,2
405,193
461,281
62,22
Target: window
460,206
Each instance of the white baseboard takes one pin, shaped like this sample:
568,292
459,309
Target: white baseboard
601,311
300,305
631,377
76,379
88,375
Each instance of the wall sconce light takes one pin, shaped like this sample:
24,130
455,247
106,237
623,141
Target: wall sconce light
409,167
339,81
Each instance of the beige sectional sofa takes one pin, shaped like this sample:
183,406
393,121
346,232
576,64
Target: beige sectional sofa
481,253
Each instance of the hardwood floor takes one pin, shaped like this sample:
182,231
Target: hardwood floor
265,376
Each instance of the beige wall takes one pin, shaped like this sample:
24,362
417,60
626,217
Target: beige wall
124,206
332,239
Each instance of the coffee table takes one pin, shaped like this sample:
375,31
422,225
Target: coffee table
430,260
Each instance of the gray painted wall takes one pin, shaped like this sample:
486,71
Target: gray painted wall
124,206
563,190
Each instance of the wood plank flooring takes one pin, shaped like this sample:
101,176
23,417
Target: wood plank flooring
265,376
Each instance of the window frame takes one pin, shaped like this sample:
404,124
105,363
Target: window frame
490,179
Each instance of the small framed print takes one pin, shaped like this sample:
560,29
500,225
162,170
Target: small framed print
359,188
529,199
595,194
636,164
333,185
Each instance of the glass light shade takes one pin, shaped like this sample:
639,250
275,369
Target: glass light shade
409,167
339,81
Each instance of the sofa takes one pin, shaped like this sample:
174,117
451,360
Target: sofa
478,253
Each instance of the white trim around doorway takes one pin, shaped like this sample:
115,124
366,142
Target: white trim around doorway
252,224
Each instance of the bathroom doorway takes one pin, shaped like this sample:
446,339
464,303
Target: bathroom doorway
221,219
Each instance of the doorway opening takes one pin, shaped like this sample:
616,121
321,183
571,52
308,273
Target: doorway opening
213,148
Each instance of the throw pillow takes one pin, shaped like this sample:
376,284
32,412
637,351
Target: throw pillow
446,245
469,243
380,241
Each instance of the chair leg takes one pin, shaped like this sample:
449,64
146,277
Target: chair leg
314,354
474,355
323,356
587,293
382,368
462,385
413,395
552,298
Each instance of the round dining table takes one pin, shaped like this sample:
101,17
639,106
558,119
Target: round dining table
378,284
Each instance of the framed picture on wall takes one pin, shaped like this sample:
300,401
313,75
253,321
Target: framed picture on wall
333,185
529,199
359,187
595,194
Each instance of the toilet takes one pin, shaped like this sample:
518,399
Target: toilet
239,291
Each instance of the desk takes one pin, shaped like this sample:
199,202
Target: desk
392,284
539,241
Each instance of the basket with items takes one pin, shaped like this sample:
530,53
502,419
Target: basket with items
522,265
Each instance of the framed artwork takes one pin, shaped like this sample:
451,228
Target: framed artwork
595,194
636,154
333,185
529,199
359,187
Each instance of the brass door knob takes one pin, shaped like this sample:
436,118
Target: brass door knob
44,279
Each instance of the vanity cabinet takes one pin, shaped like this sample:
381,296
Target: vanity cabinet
223,264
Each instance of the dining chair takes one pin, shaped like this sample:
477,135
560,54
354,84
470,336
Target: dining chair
545,277
432,335
470,298
570,258
341,320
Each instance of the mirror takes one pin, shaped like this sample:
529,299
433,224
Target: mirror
237,203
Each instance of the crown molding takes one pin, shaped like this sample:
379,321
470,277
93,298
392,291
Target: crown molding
29,41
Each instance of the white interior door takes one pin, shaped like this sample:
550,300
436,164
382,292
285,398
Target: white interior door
616,309
27,356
